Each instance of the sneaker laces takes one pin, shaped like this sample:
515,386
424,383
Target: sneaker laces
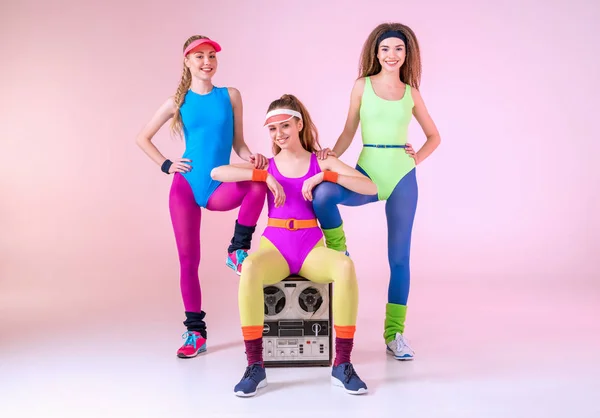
191,338
241,257
401,341
349,372
251,371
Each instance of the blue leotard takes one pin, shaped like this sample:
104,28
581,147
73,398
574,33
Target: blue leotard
208,132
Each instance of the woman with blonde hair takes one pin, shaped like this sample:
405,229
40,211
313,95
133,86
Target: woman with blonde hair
210,120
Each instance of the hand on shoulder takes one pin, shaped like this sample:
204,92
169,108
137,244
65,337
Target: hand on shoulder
329,163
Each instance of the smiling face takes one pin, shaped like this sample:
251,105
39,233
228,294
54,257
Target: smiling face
391,54
202,62
286,134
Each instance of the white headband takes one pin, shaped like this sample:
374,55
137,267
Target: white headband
291,113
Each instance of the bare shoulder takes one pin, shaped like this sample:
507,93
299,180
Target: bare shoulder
168,107
359,86
234,93
360,82
329,163
235,96
166,111
416,94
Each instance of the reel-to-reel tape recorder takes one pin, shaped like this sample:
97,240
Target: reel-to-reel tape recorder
298,328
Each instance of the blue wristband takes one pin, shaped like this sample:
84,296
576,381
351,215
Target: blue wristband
166,166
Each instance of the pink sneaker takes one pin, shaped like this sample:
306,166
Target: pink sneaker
194,344
234,260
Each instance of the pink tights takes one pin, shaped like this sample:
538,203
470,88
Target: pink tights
186,215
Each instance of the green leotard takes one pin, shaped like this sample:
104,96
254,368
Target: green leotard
385,122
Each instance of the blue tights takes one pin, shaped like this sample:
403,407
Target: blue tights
400,210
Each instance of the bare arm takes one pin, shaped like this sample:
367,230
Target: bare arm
239,145
144,138
427,125
348,177
244,172
352,120
233,173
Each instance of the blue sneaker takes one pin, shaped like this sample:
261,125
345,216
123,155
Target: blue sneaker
345,376
254,378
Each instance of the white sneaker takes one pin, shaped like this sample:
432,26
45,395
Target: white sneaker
400,349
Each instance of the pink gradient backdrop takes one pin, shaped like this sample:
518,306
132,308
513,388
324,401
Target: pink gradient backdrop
511,194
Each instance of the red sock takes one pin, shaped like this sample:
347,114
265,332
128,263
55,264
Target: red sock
343,348
254,351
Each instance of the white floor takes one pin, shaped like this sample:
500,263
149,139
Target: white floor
506,351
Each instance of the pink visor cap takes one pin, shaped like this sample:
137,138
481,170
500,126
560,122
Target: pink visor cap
280,115
195,44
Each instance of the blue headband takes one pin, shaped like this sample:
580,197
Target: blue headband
392,34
